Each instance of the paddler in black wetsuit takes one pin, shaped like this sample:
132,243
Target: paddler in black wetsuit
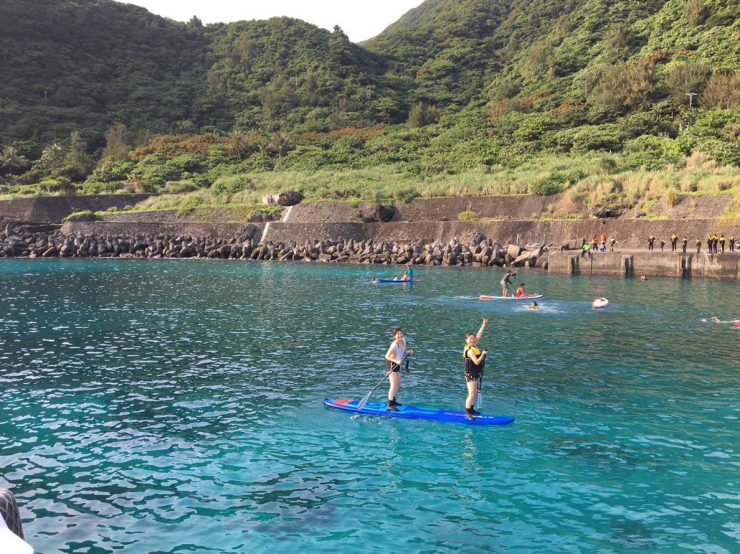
474,361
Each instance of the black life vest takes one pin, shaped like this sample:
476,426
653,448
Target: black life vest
470,366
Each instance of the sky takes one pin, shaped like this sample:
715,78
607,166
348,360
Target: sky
359,20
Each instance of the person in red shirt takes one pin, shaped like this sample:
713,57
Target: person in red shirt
520,290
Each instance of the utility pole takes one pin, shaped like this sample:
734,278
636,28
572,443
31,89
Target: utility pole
691,97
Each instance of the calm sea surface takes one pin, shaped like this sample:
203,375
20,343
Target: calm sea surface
169,406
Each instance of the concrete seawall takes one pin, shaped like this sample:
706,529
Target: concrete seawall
629,233
659,264
53,209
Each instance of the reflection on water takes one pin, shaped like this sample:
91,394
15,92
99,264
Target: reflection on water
145,401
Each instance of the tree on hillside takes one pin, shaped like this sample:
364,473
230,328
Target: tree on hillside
722,91
77,160
115,146
281,144
10,159
421,115
686,79
241,146
626,85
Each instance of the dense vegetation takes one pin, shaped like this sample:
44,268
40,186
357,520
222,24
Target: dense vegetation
616,102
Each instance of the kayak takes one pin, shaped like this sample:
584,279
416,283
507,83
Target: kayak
415,412
528,297
393,280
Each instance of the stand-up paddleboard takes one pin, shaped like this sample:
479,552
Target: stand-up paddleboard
415,412
393,280
528,297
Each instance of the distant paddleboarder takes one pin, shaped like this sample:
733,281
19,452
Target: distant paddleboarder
506,282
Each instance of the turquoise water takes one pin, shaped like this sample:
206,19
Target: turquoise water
176,406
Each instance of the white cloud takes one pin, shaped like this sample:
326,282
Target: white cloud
359,20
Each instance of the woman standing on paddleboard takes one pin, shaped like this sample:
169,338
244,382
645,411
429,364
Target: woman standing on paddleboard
474,361
397,352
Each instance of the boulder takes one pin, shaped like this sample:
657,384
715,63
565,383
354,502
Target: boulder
513,251
378,213
601,212
524,259
290,198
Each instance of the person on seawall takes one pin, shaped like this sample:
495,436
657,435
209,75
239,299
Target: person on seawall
520,291
684,243
698,245
474,361
732,243
612,243
506,282
602,242
651,241
722,243
397,352
674,240
662,244
710,244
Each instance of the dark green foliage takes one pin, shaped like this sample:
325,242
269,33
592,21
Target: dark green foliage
454,85
84,65
548,186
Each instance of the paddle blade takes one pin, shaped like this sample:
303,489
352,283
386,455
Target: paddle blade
361,403
478,401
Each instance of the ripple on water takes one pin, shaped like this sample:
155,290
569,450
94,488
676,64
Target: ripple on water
190,399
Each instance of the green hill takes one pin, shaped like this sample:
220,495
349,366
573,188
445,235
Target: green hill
601,98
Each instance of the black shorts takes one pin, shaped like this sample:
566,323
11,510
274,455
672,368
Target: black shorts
472,376
392,367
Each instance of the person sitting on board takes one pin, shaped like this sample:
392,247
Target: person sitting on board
534,305
393,358
474,361
506,282
715,319
520,291
408,274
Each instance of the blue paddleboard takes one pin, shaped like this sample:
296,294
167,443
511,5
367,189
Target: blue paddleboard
394,280
415,412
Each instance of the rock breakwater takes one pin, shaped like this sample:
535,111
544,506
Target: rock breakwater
479,252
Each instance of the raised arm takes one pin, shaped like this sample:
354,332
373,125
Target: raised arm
482,328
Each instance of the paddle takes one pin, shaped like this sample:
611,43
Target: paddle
361,403
479,397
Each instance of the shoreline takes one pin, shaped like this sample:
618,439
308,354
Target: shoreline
249,244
